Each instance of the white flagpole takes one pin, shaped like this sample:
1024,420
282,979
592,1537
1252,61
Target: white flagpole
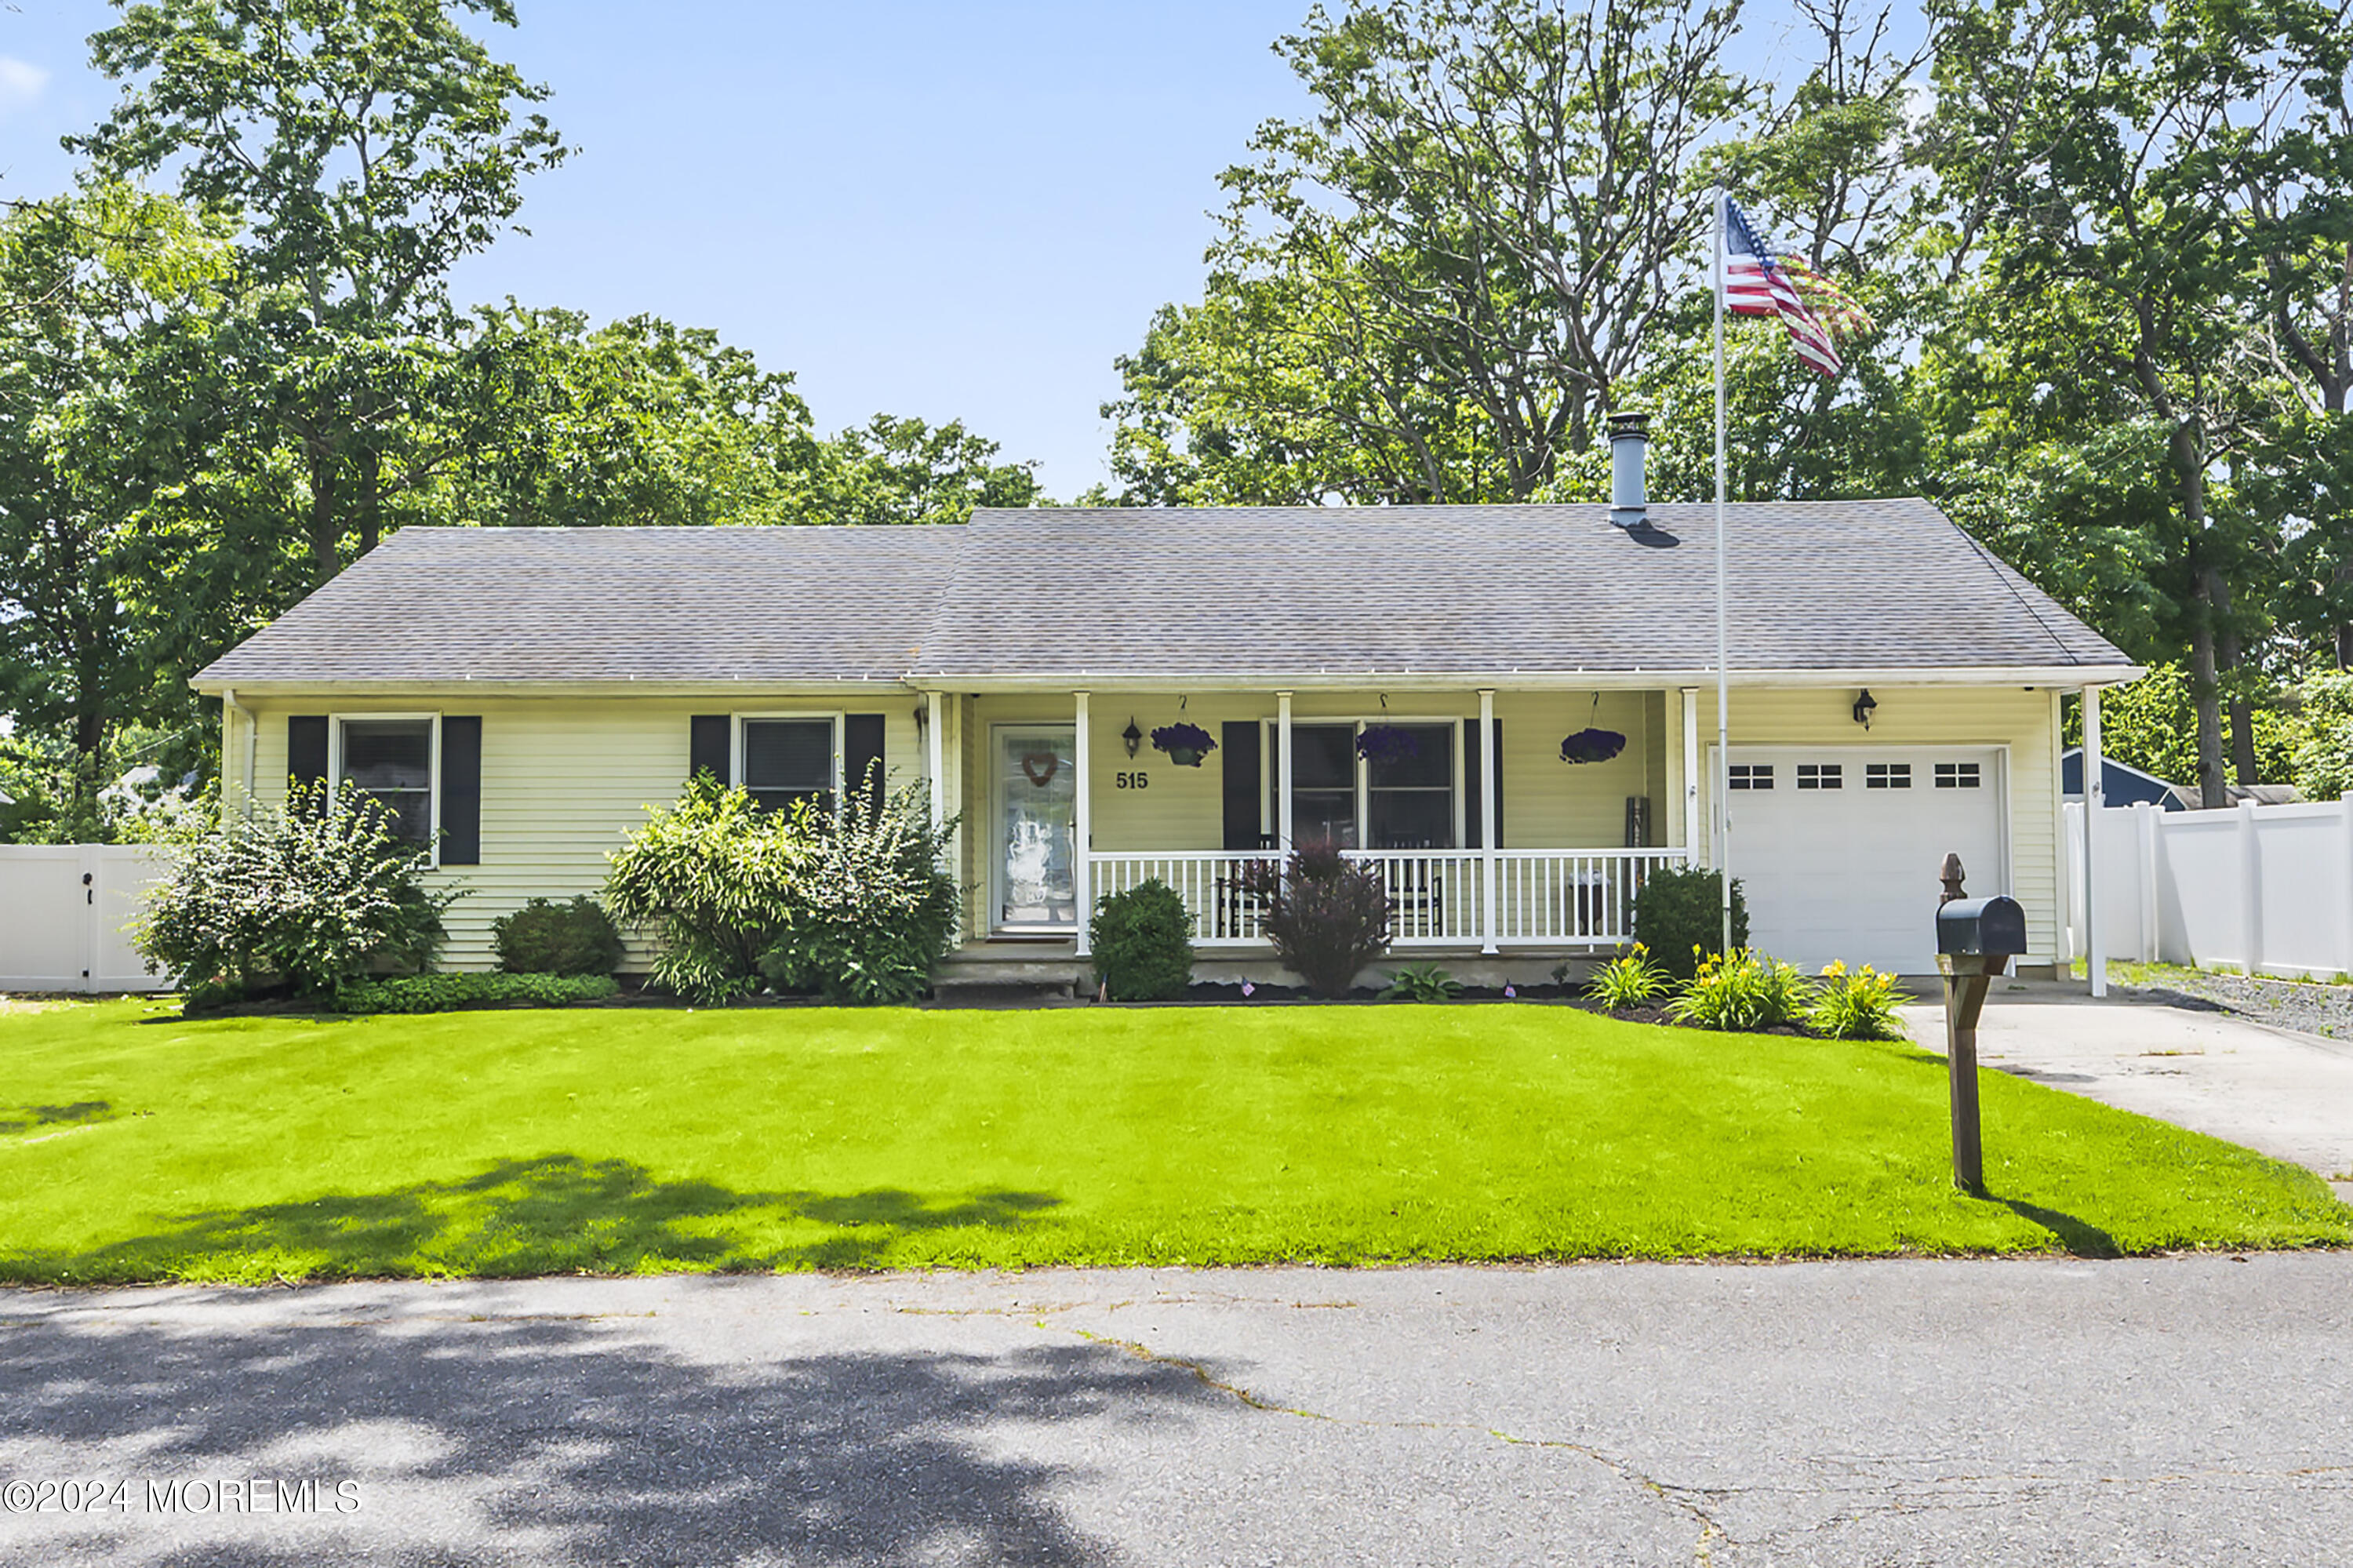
1723,688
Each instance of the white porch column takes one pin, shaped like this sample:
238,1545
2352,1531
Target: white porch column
935,754
2095,956
1690,773
1282,771
1083,828
1488,783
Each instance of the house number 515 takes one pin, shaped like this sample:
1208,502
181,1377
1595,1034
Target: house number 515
1133,781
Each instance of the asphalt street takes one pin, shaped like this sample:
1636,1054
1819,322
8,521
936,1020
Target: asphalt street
2193,1411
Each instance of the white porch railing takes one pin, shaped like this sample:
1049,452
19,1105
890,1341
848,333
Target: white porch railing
1576,898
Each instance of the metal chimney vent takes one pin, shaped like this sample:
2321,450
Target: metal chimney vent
1629,442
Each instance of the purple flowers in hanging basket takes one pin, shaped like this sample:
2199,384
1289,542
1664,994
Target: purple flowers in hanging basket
1387,743
1185,743
1592,746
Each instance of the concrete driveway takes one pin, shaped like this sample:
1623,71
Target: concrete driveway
2199,1066
2188,1411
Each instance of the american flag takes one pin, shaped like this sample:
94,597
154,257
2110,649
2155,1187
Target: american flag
1759,283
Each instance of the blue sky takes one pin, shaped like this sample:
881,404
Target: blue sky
947,211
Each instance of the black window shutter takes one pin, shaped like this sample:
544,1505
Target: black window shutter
462,790
1240,750
710,748
306,749
1474,799
861,750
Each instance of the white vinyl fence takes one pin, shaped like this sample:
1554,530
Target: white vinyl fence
2265,889
62,912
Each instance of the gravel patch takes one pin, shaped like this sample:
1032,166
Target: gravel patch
2305,1006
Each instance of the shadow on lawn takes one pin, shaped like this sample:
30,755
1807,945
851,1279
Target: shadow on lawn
556,1214
2080,1238
536,1434
25,1118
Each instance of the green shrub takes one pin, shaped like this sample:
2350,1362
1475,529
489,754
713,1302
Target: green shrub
1857,1006
1745,991
870,905
311,898
709,876
1143,943
1426,983
857,905
2324,756
1630,979
1327,916
1683,909
547,939
449,993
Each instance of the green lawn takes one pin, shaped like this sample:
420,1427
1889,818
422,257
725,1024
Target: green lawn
136,1146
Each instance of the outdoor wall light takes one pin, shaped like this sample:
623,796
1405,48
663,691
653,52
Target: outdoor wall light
1864,706
1132,736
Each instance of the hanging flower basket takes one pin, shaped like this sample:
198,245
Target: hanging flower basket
1592,746
1387,743
1185,743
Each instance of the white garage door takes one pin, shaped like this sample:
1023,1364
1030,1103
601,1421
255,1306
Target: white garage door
1837,850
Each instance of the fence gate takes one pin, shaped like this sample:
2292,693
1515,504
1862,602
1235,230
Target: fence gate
62,912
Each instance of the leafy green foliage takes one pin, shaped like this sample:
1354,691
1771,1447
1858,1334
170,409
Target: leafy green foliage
2324,756
1326,916
1741,992
312,899
711,877
1858,1005
1142,938
1679,918
548,938
453,993
2152,725
870,906
1630,979
1422,982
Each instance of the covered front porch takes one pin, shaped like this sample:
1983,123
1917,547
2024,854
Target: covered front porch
1486,839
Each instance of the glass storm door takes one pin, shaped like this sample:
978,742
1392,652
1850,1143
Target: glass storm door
1037,796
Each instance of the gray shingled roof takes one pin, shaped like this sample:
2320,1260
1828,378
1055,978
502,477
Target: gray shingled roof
1121,594
1484,590
721,605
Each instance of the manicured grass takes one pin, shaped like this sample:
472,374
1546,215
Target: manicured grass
143,1147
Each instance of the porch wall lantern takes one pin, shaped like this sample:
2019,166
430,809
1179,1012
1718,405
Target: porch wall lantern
1132,736
1864,706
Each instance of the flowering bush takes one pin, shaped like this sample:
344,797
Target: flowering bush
1629,980
1857,1006
1745,990
1190,740
313,898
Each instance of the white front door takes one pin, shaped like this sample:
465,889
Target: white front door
1037,811
1836,849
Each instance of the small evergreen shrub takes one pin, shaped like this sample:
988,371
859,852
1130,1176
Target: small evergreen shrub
1630,979
547,939
1142,942
870,905
1857,1006
1327,916
1426,983
1743,992
452,992
1683,909
310,898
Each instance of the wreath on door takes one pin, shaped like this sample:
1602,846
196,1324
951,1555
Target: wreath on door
1040,767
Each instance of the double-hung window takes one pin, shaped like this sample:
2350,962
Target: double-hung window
1393,802
1324,795
790,760
1409,800
390,760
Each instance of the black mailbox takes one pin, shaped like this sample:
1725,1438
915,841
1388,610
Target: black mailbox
1992,928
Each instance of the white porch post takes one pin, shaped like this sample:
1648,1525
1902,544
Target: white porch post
1690,773
2096,957
935,754
1488,784
1282,771
1083,827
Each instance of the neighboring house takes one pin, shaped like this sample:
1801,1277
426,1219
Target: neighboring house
521,695
2121,785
